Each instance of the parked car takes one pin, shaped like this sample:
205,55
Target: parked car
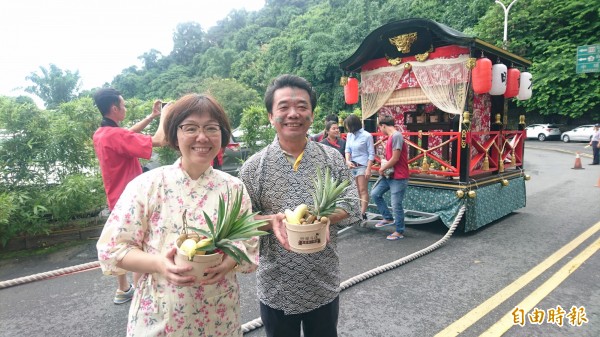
233,158
542,131
582,133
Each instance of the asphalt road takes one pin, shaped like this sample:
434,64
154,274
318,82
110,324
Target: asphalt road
542,256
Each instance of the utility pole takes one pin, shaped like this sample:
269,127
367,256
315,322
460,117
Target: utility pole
506,9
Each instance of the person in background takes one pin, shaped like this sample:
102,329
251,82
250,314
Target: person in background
595,144
141,232
118,151
218,161
360,153
319,136
332,137
396,158
296,291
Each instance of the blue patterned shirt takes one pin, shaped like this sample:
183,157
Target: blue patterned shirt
292,282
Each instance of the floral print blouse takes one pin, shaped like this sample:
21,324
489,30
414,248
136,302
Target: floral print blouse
148,216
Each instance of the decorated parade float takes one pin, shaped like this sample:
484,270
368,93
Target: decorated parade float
449,94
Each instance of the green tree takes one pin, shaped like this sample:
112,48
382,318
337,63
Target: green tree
54,86
233,95
557,89
188,40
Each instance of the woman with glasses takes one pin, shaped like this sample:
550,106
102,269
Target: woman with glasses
141,231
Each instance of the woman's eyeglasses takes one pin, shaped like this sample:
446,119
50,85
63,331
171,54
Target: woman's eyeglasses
193,130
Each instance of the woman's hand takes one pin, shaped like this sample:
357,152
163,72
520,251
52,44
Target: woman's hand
173,272
368,172
350,164
217,273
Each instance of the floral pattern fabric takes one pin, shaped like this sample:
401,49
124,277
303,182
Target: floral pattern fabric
148,216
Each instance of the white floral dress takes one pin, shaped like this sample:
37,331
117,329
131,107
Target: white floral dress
148,216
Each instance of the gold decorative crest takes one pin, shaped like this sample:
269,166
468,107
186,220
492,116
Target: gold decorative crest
403,42
343,80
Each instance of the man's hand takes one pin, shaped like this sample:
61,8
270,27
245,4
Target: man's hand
156,109
279,230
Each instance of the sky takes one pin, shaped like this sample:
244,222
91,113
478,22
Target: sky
98,38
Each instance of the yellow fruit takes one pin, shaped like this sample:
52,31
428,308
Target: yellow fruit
203,243
300,211
188,247
291,218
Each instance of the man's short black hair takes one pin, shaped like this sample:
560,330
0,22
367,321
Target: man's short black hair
289,81
331,118
105,98
387,120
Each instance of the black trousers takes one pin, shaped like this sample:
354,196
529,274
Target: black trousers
596,152
321,322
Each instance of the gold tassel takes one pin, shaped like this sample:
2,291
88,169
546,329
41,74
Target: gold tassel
486,163
501,166
513,160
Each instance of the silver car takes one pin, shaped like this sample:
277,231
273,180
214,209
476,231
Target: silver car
582,133
542,131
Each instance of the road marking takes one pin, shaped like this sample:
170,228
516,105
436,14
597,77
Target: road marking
507,322
484,308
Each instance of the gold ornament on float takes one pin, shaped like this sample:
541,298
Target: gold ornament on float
498,117
504,182
422,57
486,163
466,119
527,177
460,194
501,166
343,81
403,42
522,119
471,62
393,61
472,194
407,66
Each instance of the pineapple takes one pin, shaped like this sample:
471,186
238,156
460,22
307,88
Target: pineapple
231,226
325,197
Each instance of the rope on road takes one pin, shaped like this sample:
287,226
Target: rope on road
49,274
257,323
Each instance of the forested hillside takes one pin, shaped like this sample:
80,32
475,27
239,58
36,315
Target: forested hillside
311,38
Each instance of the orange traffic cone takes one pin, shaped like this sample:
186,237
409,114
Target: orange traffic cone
577,162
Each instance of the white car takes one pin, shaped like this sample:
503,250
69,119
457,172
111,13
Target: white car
582,133
542,131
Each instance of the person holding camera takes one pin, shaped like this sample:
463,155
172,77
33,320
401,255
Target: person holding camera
118,151
396,158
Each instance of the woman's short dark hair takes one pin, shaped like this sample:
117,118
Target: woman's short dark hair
291,81
105,98
195,104
352,123
387,120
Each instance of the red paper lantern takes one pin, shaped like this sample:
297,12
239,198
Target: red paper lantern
512,83
482,76
351,91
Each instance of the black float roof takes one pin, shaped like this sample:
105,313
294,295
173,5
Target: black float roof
376,44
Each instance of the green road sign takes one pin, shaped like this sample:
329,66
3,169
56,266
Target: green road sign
588,59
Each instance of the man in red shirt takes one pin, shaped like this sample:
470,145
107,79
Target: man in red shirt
118,151
396,181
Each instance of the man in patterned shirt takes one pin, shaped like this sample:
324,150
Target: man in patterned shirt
295,289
